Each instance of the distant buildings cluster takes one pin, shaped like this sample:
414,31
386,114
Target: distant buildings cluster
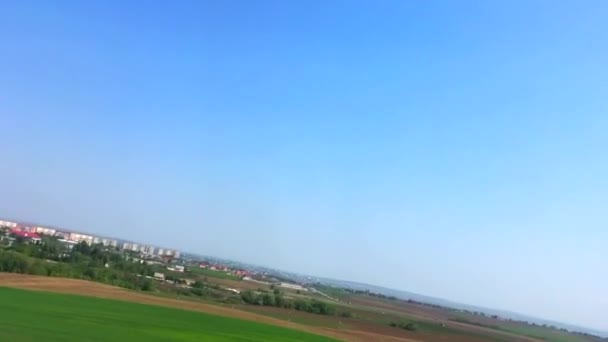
223,268
150,250
72,238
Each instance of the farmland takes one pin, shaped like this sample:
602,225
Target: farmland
370,319
339,313
213,273
60,317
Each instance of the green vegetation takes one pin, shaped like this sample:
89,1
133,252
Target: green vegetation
410,326
275,298
108,265
213,273
82,262
335,292
40,316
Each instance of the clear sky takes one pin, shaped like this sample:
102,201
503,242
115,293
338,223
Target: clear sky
455,149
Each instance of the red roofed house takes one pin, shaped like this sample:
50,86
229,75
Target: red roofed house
26,235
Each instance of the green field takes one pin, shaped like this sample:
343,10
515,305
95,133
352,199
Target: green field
40,316
212,273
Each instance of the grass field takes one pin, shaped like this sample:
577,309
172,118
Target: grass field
40,316
213,273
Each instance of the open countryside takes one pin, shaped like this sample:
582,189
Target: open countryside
46,262
304,171
74,318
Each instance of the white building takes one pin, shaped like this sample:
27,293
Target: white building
62,235
109,242
81,237
293,286
149,250
45,231
8,224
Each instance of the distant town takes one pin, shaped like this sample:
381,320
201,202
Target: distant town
71,238
172,260
42,250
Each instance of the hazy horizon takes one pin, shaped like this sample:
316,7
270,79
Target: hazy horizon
360,282
455,150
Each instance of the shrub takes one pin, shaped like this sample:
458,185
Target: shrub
410,326
346,314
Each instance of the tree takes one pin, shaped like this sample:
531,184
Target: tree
322,308
90,273
147,285
279,301
268,300
346,314
11,261
301,305
197,292
248,297
82,247
410,326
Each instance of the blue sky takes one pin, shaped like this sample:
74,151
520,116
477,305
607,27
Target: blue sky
454,149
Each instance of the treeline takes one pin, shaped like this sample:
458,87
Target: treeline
276,299
82,262
369,293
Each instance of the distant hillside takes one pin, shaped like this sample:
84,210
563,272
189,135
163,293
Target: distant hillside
438,301
299,278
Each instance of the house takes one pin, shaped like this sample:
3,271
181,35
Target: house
159,276
242,273
178,268
26,235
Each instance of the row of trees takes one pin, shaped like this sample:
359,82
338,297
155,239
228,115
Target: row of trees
277,299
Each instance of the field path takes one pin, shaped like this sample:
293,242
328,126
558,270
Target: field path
93,289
